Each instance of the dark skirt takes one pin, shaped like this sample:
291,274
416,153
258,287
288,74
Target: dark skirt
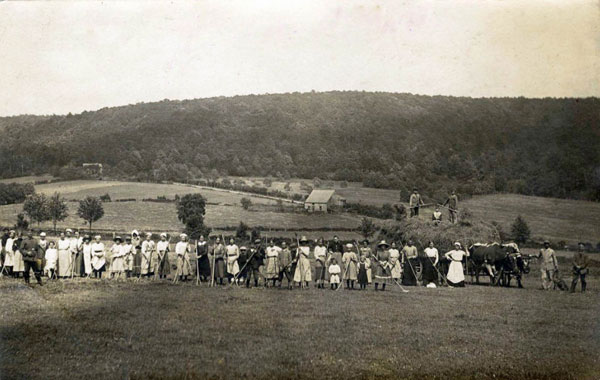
78,265
220,268
137,261
456,284
164,268
204,266
409,273
429,272
362,275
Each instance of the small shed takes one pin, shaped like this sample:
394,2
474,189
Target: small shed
322,200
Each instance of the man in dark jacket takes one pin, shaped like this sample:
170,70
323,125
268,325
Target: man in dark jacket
336,245
32,258
255,260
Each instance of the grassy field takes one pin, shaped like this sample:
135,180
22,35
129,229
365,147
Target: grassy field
102,329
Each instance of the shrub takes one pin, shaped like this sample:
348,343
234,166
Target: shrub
520,230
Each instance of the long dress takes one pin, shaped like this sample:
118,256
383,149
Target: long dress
272,265
203,261
429,261
409,274
396,267
350,269
320,253
75,248
137,256
455,277
128,257
162,249
51,257
98,257
219,257
148,254
64,257
87,258
117,256
181,250
382,272
366,252
18,262
303,272
9,255
362,273
233,253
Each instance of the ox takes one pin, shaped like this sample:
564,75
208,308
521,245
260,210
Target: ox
495,258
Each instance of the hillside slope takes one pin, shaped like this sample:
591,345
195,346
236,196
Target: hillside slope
547,147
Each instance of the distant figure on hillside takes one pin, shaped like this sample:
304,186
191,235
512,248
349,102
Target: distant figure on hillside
415,203
548,265
436,217
580,268
452,203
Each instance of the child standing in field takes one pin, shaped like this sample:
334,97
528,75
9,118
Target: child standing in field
51,257
334,274
363,266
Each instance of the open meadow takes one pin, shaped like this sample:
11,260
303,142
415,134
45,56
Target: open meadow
103,329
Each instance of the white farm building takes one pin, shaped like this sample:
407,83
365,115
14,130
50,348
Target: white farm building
322,200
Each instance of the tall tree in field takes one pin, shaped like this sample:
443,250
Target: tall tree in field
36,207
90,209
241,232
190,211
520,230
57,208
367,228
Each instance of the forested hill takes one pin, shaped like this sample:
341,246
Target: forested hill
547,147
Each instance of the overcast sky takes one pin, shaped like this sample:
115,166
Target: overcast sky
60,57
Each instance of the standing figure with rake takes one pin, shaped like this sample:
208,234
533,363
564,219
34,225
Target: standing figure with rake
382,271
76,248
129,256
182,249
64,255
136,242
255,260
218,258
350,261
163,267
456,276
272,267
285,262
303,273
148,255
233,253
98,256
320,253
394,262
430,261
409,259
117,257
202,259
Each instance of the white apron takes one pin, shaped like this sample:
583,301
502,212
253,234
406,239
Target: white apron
8,252
87,258
64,257
98,256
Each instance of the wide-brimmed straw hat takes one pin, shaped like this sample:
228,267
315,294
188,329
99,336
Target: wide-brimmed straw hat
383,243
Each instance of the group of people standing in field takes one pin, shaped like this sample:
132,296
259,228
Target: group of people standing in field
222,262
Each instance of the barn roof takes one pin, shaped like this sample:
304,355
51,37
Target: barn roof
320,196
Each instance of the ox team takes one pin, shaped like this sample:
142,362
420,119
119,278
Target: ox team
219,262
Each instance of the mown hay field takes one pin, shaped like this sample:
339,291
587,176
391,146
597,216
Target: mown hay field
152,216
102,329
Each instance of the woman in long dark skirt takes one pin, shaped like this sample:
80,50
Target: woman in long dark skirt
409,261
429,262
203,261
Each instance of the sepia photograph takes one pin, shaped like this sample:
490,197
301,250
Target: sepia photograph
311,189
